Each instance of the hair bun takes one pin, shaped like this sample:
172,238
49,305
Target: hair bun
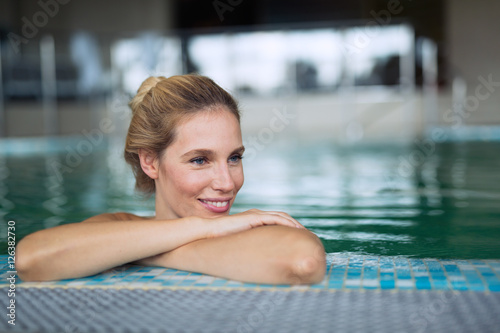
144,89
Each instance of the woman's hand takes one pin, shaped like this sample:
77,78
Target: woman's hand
226,225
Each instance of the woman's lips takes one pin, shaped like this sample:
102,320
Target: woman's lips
216,205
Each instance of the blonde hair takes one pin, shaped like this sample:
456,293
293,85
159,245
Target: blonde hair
158,107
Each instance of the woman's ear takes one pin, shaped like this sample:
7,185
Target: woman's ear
149,163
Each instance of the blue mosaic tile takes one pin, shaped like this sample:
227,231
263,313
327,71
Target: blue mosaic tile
145,278
169,283
434,265
185,283
417,262
387,275
338,270
452,270
370,275
438,276
471,274
335,285
494,287
459,285
387,284
440,285
423,283
401,262
477,287
403,274
353,275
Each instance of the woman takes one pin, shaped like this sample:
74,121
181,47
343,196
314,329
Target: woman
184,145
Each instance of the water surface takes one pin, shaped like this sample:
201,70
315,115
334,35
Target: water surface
442,201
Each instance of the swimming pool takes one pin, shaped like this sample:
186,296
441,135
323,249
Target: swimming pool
408,234
384,200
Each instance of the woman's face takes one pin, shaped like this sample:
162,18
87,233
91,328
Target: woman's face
201,172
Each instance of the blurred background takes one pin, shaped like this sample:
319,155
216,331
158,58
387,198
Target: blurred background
348,71
376,123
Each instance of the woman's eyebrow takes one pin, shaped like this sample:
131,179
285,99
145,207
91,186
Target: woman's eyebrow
239,150
196,152
209,153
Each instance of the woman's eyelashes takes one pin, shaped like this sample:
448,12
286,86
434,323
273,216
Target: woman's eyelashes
236,158
199,160
233,159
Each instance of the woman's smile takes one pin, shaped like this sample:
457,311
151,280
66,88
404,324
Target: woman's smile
216,205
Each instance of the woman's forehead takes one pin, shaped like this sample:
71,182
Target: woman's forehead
208,130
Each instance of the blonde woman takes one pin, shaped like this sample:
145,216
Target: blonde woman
184,145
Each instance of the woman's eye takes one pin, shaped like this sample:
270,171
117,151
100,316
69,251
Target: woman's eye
235,158
198,160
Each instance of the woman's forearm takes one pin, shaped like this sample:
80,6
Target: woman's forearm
82,249
269,254
109,240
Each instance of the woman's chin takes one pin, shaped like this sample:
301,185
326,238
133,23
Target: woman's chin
215,215
210,214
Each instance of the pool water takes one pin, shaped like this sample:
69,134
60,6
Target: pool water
435,201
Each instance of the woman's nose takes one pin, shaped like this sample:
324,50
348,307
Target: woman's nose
223,181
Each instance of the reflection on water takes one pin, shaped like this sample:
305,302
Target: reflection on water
358,199
55,192
368,200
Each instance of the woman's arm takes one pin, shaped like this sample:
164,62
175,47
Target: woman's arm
269,254
82,249
109,240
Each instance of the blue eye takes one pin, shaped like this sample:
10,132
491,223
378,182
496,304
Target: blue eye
235,158
198,160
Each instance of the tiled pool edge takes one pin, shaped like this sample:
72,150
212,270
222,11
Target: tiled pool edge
354,272
218,311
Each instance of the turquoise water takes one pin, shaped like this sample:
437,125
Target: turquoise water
435,201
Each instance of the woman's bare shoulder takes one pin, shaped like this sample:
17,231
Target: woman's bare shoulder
121,216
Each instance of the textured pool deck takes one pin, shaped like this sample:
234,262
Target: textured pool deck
358,293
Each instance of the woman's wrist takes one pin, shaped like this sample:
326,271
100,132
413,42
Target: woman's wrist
198,226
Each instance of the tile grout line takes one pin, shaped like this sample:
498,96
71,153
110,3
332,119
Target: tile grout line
481,277
412,274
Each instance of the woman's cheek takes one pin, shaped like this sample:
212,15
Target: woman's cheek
195,182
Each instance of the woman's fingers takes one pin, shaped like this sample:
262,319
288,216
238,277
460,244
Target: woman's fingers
251,219
275,217
288,217
286,220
